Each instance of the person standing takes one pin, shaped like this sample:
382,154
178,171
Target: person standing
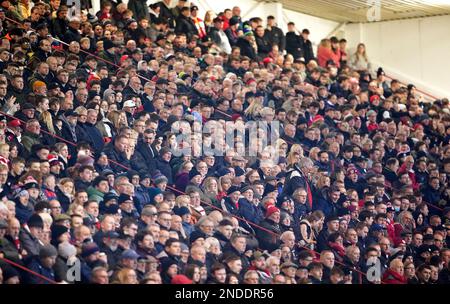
274,34
293,42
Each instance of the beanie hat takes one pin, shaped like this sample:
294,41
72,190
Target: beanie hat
35,221
248,31
89,249
271,209
108,44
153,192
66,250
181,211
160,180
57,231
233,189
269,188
47,251
124,197
233,21
194,172
166,263
195,235
239,171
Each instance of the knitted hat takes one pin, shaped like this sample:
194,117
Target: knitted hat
271,209
88,249
233,189
108,44
248,31
66,250
181,211
160,180
35,221
47,251
124,197
57,231
194,172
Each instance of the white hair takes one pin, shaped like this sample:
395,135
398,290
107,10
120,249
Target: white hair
211,242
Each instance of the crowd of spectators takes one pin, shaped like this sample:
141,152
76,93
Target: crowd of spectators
94,189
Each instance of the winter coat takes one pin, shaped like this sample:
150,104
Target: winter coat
267,240
165,168
118,160
294,45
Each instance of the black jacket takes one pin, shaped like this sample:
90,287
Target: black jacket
276,36
246,48
186,25
268,240
71,35
118,160
294,45
166,14
308,52
165,168
144,158
264,46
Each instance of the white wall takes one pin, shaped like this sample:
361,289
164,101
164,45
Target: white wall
319,28
413,50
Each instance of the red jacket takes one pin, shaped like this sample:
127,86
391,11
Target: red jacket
324,54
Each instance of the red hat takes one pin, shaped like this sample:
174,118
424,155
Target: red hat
317,118
374,97
14,123
52,159
271,209
181,279
417,126
267,60
123,58
250,81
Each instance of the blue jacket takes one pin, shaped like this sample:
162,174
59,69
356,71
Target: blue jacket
36,266
323,203
249,211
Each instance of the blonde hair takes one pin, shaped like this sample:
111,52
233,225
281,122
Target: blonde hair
254,108
207,182
72,208
183,200
209,17
122,276
325,43
66,180
47,119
